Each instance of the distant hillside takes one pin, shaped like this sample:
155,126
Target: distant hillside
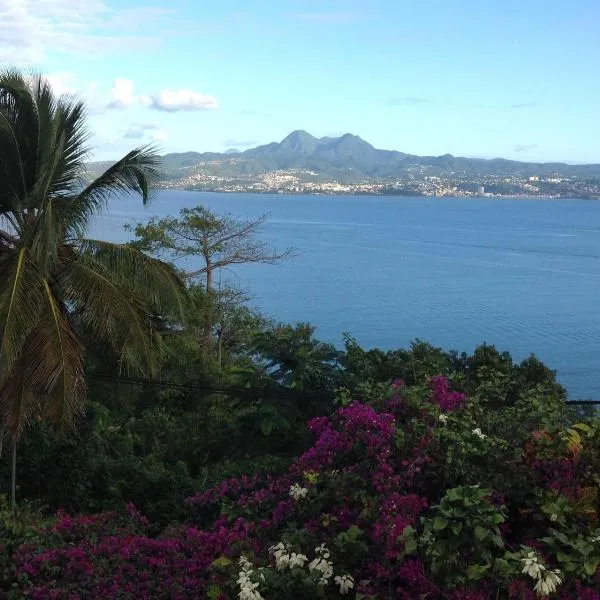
348,158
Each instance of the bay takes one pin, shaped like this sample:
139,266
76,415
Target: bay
523,275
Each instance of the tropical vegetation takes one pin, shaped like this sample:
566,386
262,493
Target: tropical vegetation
55,283
224,456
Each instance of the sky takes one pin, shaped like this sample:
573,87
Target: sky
489,78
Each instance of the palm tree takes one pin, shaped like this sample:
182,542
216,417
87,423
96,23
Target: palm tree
55,283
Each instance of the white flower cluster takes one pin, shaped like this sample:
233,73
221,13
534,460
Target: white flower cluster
321,564
248,589
345,583
547,579
285,559
297,491
477,432
443,419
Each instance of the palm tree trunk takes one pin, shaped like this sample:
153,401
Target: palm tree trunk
13,475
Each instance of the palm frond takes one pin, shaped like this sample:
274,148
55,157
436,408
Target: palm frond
19,133
18,404
135,172
111,313
19,306
154,280
51,280
55,365
62,144
71,137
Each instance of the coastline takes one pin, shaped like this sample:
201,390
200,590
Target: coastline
387,194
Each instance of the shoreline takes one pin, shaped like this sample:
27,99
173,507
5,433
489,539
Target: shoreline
375,194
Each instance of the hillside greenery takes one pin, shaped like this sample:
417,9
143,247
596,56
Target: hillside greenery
213,453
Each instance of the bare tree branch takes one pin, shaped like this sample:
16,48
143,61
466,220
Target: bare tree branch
216,241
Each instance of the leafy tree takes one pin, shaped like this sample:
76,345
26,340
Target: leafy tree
293,358
55,283
218,241
413,365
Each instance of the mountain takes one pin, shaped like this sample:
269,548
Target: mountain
349,158
300,150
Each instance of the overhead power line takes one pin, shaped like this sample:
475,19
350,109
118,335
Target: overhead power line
206,389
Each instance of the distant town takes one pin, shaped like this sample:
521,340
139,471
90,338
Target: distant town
294,181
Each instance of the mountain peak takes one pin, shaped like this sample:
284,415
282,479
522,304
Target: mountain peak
299,142
298,134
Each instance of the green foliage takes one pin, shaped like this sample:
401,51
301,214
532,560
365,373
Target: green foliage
576,554
460,539
413,365
292,357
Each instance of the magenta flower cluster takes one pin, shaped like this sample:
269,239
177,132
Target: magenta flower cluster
443,396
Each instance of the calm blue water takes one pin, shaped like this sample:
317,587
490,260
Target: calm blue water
523,275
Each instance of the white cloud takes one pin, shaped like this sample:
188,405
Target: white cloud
160,136
124,96
62,83
177,100
30,29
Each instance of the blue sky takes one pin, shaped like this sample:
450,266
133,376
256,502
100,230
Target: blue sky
517,79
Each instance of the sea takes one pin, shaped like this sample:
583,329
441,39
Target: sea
523,275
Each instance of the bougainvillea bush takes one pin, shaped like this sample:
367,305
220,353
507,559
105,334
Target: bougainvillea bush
422,494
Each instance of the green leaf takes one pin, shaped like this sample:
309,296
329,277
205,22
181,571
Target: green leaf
222,562
590,567
453,494
481,532
456,527
214,592
502,565
408,531
477,571
440,523
266,427
411,546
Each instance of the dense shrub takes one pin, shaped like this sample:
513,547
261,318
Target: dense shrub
421,493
